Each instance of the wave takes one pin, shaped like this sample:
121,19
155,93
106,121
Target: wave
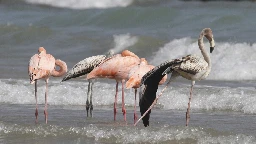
82,4
88,4
166,134
230,61
210,98
206,97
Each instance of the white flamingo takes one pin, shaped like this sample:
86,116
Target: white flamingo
191,67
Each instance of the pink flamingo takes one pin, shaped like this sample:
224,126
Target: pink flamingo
116,67
42,66
135,75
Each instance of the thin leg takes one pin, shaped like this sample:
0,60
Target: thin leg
154,102
135,114
36,113
88,97
45,107
115,103
91,106
189,101
123,107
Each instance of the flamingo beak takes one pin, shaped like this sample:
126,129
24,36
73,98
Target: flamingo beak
32,82
211,49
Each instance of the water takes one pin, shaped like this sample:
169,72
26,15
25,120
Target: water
223,106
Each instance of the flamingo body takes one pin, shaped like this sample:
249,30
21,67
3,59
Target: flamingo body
42,66
116,67
84,67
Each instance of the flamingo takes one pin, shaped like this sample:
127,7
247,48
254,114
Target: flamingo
191,67
42,66
116,67
84,67
135,75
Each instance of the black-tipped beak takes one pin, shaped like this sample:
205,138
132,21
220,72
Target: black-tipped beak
211,49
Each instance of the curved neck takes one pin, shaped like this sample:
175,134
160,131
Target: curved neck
63,68
203,51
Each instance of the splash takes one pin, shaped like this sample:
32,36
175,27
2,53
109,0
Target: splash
210,98
123,41
83,4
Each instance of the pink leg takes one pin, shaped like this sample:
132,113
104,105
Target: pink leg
135,115
188,110
36,113
45,107
123,107
115,103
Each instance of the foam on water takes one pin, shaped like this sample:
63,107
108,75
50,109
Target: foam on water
82,4
210,98
241,99
68,93
230,61
125,134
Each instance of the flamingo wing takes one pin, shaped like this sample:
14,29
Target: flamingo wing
84,66
193,64
151,81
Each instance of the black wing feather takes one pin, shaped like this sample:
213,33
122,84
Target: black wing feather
151,81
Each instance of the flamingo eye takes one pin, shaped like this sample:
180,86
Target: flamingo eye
34,74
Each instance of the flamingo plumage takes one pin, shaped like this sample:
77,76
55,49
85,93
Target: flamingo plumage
42,66
135,75
191,67
116,67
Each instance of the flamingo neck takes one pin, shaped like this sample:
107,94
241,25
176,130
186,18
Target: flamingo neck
63,68
203,51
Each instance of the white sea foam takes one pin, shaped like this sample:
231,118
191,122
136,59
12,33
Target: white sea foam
166,134
241,99
230,61
210,98
83,4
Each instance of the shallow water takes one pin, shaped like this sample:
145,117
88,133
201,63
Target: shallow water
68,124
221,112
205,127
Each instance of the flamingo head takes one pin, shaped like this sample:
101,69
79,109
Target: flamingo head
34,75
212,45
208,34
41,50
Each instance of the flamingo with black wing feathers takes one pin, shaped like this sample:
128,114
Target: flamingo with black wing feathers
191,67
